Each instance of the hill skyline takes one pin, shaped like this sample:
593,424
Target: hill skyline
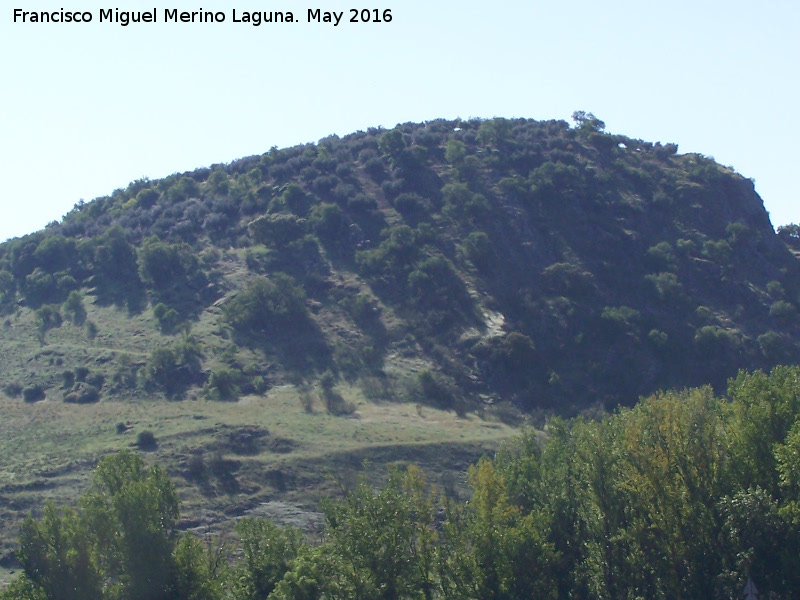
94,107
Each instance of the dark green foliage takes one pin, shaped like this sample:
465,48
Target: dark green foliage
118,544
547,230
132,511
413,207
330,226
172,272
380,545
33,393
259,259
56,253
39,287
434,284
267,306
391,142
146,440
713,340
271,314
392,258
718,251
455,152
116,271
172,369
82,393
56,554
168,318
268,553
782,311
479,249
662,256
587,121
47,318
8,290
774,347
295,199
147,197
13,390
73,308
224,384
277,230
514,359
463,205
621,319
667,287
81,373
23,589
569,278
183,188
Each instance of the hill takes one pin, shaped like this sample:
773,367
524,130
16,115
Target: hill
557,267
435,283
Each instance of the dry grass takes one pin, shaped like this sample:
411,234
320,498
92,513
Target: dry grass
230,459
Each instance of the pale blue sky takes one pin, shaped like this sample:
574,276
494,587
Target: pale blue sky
85,109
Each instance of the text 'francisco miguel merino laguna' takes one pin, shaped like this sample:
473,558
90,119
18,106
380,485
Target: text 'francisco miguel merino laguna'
173,15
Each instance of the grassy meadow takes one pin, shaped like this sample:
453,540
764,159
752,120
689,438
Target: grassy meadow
273,455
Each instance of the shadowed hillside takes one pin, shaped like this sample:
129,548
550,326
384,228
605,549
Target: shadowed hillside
453,262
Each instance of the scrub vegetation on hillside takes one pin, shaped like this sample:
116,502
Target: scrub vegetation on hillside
552,266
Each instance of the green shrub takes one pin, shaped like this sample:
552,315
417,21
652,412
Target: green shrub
782,311
267,305
47,318
267,554
412,206
83,393
718,251
68,378
666,287
168,318
714,339
329,224
223,384
277,230
73,308
163,266
259,384
662,257
33,393
622,318
40,287
173,369
479,249
773,346
147,197
146,440
775,290
13,390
